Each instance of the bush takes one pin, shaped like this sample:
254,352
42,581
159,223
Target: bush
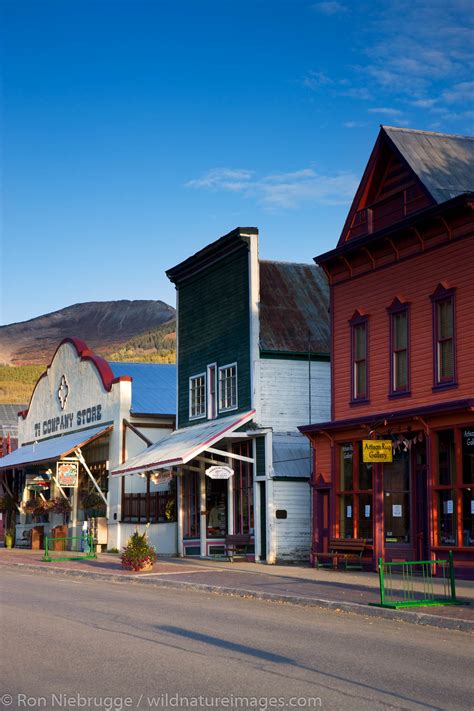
138,552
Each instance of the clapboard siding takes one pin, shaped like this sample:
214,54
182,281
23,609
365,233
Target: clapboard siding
284,393
292,535
414,280
214,326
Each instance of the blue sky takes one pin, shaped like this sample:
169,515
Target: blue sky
134,132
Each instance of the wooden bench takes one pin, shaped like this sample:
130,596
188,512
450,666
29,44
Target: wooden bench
237,544
350,550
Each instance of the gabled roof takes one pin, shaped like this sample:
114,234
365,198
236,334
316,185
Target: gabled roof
441,165
294,308
153,386
443,162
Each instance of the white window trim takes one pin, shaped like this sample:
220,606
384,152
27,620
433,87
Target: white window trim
212,366
236,406
191,378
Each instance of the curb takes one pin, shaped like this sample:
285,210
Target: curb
356,608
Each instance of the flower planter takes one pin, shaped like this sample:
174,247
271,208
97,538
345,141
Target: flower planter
9,539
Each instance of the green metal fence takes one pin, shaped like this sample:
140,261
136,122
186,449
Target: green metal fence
83,549
417,583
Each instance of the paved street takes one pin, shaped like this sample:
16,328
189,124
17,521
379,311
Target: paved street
138,647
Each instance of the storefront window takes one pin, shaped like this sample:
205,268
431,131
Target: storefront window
447,518
454,488
144,501
468,455
468,517
243,491
346,516
216,507
355,504
191,504
446,458
396,478
346,471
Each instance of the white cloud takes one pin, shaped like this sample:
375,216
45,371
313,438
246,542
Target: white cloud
462,92
281,190
386,111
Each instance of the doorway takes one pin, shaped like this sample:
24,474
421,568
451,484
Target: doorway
322,520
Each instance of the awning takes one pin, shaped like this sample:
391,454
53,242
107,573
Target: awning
291,456
183,445
51,449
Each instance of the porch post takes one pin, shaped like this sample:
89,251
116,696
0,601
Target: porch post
203,526
180,511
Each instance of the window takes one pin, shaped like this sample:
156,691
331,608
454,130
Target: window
444,345
197,396
396,484
399,349
243,490
359,374
144,501
228,387
454,487
191,504
354,493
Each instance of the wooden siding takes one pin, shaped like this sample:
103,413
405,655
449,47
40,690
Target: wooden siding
291,535
414,281
214,327
284,393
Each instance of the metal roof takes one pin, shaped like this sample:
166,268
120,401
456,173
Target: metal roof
9,419
294,308
51,449
291,456
153,386
443,162
184,444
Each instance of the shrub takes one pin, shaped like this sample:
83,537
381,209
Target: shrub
138,552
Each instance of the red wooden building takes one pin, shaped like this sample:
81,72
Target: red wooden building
402,358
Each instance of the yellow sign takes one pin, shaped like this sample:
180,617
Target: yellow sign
376,450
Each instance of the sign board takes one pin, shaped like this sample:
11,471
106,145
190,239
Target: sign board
67,474
397,511
219,472
377,450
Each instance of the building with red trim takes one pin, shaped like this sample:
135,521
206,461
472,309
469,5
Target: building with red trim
90,415
402,353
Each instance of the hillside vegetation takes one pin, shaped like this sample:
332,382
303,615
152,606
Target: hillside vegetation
17,383
157,345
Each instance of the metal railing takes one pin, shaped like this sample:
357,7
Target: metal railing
86,548
417,583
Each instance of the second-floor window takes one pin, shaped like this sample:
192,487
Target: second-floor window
444,345
228,387
197,396
399,348
359,357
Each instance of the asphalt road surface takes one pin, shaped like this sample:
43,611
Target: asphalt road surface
71,643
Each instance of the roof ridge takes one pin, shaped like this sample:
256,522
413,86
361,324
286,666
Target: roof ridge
428,133
285,261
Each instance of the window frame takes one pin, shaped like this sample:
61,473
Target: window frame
457,486
356,321
232,407
355,493
192,378
395,309
212,397
442,293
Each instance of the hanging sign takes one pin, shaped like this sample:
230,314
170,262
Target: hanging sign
376,450
219,472
163,477
67,474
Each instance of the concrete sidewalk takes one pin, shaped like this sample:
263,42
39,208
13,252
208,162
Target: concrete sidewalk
346,591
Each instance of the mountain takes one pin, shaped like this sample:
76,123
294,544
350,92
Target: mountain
106,327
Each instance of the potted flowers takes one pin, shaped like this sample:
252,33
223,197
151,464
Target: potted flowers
138,554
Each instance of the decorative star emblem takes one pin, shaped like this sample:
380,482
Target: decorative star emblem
63,391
